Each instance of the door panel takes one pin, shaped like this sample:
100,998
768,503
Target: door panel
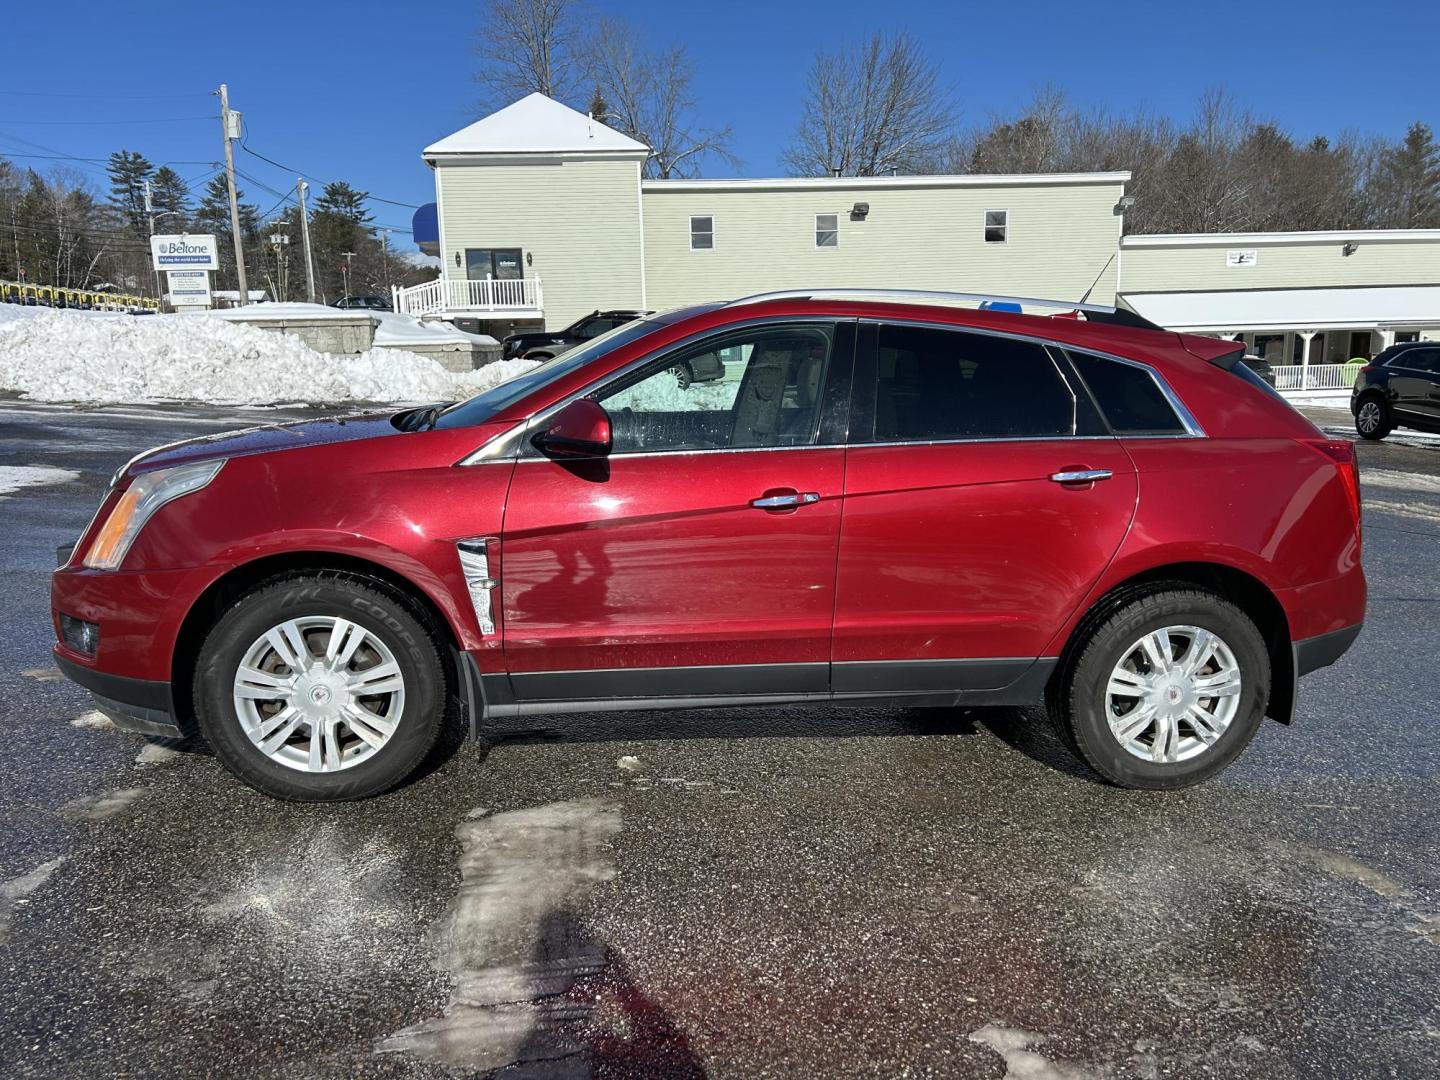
661,561
969,550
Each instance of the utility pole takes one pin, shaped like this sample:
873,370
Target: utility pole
301,187
150,217
346,270
385,255
230,130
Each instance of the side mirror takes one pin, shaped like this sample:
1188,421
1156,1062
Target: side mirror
579,430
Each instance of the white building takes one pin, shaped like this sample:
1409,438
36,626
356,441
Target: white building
542,215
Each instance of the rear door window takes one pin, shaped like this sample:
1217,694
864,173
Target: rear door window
934,385
1129,396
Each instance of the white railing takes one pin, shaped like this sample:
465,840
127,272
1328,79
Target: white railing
460,294
1315,376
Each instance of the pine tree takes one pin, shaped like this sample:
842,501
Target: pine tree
128,173
342,200
170,196
1407,184
213,216
599,107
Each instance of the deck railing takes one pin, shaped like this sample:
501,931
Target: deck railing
1300,377
461,294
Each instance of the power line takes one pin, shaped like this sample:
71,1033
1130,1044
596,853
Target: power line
106,96
106,123
317,180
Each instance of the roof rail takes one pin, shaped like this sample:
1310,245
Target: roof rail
1095,312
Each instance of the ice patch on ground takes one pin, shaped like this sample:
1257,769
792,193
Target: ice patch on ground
321,905
1022,1063
73,356
1400,481
509,940
101,807
1412,510
94,720
157,753
17,890
43,674
15,477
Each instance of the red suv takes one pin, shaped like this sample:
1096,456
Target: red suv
876,501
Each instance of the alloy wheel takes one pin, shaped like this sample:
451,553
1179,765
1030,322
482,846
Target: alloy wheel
319,694
1173,694
1368,418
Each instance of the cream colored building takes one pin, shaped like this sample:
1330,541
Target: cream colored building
542,216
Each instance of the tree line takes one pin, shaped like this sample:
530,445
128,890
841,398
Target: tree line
58,229
879,106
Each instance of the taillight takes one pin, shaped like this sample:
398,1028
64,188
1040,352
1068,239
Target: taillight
1342,453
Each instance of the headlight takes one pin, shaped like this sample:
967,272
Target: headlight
146,495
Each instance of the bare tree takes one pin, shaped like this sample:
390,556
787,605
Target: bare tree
527,47
871,109
647,96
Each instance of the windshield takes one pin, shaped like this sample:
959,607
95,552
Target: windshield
483,406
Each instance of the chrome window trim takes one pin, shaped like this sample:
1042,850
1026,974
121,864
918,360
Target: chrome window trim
492,451
1193,430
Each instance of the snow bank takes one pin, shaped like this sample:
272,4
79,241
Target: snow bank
50,355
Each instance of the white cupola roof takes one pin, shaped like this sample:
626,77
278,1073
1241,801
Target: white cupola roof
535,125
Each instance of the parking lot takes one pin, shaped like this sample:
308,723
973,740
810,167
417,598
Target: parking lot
781,892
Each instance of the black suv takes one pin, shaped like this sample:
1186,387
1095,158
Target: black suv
540,345
363,303
1399,388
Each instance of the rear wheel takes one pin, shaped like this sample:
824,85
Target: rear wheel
1372,417
320,688
1166,691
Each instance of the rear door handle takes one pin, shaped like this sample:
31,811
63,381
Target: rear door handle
785,500
1080,476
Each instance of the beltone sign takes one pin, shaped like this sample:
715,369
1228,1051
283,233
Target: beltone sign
185,252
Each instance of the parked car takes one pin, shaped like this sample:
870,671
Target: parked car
1399,388
366,303
896,504
1260,366
542,345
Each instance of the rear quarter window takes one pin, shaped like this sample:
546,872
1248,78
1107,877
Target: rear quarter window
1129,396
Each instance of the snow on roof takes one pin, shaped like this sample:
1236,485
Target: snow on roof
535,125
1290,309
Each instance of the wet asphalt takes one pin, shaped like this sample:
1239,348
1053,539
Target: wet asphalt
781,892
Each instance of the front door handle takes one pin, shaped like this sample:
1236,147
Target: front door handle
787,499
1080,476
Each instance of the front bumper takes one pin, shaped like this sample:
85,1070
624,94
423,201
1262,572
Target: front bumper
142,705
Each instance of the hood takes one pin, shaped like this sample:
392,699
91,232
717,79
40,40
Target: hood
262,440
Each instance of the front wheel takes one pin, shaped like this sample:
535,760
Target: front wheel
1372,418
1166,691
320,688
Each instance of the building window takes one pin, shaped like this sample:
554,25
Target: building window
827,230
996,224
702,233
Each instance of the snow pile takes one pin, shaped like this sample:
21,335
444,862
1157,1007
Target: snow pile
78,356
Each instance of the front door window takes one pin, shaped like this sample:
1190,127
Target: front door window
501,264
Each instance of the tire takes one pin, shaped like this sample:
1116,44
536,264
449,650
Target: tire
684,376
380,735
1092,719
1373,423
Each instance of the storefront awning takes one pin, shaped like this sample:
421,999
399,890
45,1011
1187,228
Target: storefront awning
1380,307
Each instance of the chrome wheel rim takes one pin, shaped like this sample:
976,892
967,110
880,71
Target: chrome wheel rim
1369,417
1173,694
319,694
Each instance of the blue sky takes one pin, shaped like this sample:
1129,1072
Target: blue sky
384,79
